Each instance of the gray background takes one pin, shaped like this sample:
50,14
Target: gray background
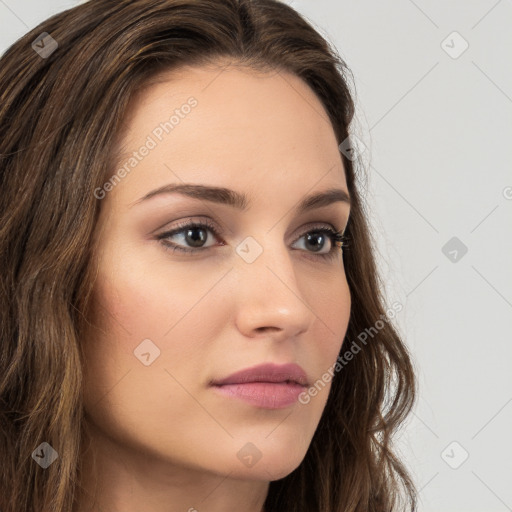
436,128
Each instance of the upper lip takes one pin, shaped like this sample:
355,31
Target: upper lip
267,373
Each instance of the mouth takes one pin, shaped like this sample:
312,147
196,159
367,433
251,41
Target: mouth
267,386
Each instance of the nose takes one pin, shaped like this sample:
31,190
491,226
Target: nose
269,297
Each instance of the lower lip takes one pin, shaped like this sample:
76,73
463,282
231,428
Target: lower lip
268,395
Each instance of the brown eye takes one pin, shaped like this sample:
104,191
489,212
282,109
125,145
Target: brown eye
315,241
193,236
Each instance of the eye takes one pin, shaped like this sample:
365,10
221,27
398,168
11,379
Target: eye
315,239
195,235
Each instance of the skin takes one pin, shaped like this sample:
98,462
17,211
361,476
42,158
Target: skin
162,438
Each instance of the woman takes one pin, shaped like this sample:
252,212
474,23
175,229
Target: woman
191,313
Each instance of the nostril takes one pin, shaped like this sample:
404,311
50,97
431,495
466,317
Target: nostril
264,329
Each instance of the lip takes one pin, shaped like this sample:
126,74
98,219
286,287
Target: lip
268,386
267,373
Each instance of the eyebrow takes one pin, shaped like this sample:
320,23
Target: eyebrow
239,200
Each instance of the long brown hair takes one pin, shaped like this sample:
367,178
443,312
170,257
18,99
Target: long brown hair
59,116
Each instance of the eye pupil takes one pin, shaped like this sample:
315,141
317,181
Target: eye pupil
315,246
196,241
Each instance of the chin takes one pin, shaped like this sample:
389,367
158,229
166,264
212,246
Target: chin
264,472
283,470
275,465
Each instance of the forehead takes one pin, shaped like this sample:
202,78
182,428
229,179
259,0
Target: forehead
246,128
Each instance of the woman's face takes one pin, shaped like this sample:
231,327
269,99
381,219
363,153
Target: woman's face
264,289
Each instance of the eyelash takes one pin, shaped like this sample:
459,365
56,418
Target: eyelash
336,237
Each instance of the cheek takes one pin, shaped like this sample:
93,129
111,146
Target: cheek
332,309
137,299
139,313
145,297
